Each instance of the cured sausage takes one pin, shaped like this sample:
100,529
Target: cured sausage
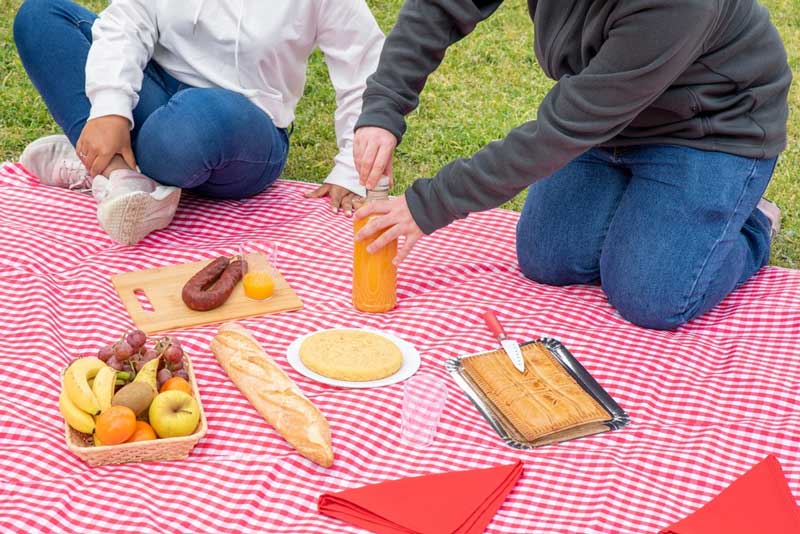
212,285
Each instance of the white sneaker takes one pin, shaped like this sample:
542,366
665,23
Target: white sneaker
773,213
53,161
130,205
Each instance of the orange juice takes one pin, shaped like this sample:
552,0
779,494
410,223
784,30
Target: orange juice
258,285
374,275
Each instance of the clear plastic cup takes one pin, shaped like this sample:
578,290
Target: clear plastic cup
423,400
258,270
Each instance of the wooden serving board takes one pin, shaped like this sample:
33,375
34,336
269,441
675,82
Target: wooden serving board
162,288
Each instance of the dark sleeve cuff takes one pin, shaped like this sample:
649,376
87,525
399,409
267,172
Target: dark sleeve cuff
382,112
427,207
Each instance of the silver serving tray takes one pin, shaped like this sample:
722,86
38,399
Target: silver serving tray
509,433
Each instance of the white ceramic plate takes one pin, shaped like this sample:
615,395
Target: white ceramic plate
410,365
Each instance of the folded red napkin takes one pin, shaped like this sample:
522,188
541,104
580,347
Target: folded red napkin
759,502
461,502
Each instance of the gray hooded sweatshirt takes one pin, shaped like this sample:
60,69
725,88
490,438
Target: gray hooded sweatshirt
706,74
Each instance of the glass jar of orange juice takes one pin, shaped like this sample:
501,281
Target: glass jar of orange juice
374,275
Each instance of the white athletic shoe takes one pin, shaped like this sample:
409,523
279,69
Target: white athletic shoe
773,213
53,161
130,205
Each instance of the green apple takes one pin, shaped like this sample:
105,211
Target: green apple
173,414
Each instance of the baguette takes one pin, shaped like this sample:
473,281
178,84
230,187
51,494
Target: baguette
276,397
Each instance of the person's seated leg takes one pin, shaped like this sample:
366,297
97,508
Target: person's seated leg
53,39
565,219
213,142
686,233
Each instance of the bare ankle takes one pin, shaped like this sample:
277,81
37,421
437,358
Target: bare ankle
116,163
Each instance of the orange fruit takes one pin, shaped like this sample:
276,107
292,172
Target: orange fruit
258,285
143,432
176,382
115,425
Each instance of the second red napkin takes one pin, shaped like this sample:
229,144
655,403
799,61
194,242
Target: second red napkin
759,502
460,502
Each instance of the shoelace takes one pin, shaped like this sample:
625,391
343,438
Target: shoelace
74,174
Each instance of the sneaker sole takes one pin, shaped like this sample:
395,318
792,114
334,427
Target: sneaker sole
125,218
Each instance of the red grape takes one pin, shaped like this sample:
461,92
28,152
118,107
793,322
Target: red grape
173,353
177,365
122,350
149,354
163,376
104,353
114,363
136,339
181,373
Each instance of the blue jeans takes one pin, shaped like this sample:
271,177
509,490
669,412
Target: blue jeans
668,231
214,142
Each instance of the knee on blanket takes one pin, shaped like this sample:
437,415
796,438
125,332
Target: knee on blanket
647,301
552,261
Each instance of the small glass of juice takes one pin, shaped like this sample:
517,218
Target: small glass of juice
258,270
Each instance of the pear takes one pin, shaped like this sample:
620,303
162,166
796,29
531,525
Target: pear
148,373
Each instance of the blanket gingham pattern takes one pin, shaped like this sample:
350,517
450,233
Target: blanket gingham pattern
706,402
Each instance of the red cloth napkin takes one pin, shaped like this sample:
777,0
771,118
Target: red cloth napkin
460,502
759,502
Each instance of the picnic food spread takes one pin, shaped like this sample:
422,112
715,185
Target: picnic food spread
276,397
353,355
132,394
213,284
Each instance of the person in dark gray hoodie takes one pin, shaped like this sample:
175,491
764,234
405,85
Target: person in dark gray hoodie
647,160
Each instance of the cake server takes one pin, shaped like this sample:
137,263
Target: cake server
509,345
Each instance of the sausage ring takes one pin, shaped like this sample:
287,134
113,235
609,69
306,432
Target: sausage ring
212,285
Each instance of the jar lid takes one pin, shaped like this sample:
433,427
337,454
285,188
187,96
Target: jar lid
383,184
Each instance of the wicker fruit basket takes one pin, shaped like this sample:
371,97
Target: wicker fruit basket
82,445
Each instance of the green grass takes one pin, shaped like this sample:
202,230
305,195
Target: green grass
488,84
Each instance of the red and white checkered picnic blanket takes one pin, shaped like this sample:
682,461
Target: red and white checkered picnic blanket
706,402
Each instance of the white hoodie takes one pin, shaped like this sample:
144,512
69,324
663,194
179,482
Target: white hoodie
258,48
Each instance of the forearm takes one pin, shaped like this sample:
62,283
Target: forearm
626,75
413,50
124,38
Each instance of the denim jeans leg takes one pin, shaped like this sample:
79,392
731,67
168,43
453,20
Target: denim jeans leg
685,233
53,38
563,224
214,142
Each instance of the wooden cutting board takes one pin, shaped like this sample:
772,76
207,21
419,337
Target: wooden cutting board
162,288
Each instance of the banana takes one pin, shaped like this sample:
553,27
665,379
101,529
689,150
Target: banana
148,373
103,387
76,383
74,416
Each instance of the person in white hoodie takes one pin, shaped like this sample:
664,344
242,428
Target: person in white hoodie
156,96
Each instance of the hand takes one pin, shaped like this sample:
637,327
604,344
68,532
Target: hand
341,198
395,218
372,153
102,139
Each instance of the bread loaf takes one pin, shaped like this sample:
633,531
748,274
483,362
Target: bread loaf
276,397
